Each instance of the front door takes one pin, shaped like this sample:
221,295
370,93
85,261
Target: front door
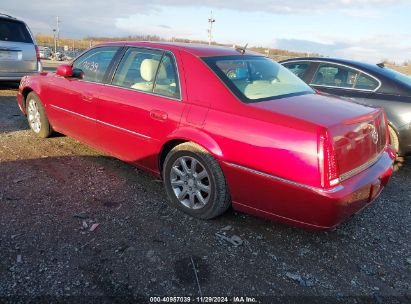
72,101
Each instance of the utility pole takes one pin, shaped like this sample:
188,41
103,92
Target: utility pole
211,20
55,41
58,31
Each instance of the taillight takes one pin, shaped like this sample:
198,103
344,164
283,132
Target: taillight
387,131
327,161
37,53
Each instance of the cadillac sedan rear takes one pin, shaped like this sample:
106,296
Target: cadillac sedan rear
306,159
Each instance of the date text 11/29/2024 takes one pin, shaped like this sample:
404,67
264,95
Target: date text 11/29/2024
201,299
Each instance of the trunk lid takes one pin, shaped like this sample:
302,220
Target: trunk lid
359,142
358,132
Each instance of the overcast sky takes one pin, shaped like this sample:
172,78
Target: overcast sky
369,30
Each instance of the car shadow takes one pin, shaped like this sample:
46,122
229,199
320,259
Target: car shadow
11,117
55,200
9,85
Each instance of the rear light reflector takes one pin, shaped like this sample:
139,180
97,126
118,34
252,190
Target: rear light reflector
37,53
327,161
387,131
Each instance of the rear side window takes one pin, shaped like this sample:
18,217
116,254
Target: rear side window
14,31
95,62
150,71
365,82
333,75
298,68
167,81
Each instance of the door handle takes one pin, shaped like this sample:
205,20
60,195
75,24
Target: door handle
158,115
88,96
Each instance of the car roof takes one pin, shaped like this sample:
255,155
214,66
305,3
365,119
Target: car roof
199,50
8,17
385,75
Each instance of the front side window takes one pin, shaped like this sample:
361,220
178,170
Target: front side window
254,78
298,68
95,62
149,71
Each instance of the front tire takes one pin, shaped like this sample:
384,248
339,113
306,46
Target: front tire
37,117
194,181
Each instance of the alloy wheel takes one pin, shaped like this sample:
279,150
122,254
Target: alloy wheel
190,182
33,114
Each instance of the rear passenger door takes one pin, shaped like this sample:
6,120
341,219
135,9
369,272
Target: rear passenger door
141,106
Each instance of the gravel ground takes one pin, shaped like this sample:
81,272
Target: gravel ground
77,225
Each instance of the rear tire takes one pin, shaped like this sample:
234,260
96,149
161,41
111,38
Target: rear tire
37,117
395,143
194,181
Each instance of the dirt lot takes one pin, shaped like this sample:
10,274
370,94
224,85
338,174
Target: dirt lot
53,191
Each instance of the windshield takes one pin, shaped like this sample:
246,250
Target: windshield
254,78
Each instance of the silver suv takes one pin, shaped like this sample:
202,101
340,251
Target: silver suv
19,54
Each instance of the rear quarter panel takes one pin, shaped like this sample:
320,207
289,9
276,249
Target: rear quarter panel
248,136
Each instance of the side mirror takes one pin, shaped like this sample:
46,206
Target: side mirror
65,70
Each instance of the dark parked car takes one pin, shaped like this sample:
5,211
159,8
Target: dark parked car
372,85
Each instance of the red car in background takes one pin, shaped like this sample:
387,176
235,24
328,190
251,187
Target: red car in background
221,127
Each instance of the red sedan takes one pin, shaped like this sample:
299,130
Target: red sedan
221,127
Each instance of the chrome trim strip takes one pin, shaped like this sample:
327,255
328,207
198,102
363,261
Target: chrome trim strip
342,88
71,112
361,168
122,129
315,189
101,122
340,64
144,92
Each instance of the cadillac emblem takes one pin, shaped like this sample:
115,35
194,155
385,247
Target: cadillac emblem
374,134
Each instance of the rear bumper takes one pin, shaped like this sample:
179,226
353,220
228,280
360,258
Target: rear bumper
15,76
305,206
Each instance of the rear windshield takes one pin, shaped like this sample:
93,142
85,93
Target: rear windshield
255,78
14,31
400,77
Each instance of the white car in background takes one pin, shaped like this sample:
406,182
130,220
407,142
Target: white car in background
44,52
